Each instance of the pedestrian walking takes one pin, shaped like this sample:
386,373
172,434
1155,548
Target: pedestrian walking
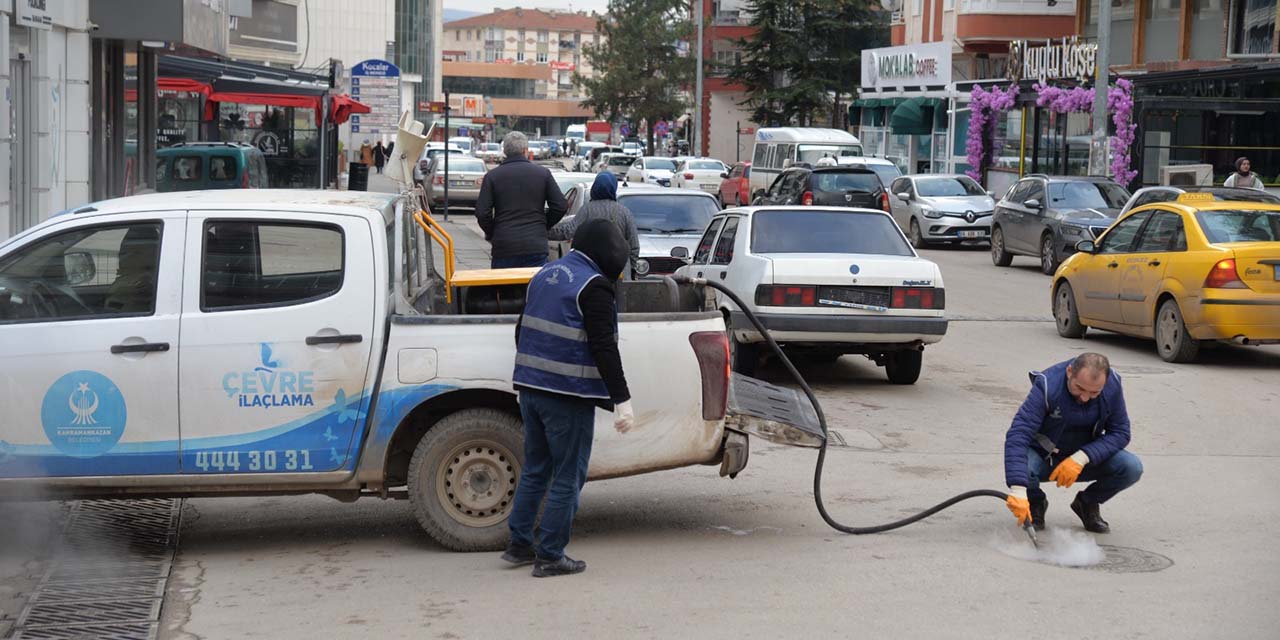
1072,426
379,156
604,205
366,153
567,364
518,202
1243,178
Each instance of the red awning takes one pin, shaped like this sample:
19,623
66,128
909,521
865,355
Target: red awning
173,84
273,99
341,107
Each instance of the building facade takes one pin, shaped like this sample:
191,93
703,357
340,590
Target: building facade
419,50
728,133
537,37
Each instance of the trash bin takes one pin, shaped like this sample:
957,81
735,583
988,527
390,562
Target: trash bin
359,177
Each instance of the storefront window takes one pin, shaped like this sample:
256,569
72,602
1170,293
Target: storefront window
1206,29
1162,32
1008,142
1217,138
287,136
177,117
1253,26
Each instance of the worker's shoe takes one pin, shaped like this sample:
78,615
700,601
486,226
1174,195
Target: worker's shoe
1038,509
562,567
519,554
1090,515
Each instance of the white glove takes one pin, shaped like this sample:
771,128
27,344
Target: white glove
623,417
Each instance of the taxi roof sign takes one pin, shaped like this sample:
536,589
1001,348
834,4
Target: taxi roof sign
1196,197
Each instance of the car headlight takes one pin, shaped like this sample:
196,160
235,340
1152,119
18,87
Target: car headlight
1074,230
930,212
642,267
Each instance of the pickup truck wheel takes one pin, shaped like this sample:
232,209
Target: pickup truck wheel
463,477
903,367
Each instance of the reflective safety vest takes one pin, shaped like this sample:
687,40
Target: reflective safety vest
552,354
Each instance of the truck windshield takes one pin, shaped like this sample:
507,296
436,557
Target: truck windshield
670,213
809,231
812,153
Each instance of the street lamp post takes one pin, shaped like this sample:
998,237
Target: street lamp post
1098,146
699,7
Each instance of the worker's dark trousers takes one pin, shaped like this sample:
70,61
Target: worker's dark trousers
557,446
1111,476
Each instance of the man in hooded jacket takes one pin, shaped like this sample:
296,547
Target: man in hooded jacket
567,364
604,205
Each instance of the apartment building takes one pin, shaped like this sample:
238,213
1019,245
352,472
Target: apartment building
537,37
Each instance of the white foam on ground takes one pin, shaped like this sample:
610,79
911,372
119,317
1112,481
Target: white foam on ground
1062,547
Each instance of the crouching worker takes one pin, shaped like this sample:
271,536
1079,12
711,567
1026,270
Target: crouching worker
567,364
1072,426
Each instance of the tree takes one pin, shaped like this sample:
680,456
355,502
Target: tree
803,53
640,69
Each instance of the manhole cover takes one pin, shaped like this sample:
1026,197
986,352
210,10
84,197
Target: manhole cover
1130,560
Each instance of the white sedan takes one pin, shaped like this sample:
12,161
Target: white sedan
825,281
651,169
699,173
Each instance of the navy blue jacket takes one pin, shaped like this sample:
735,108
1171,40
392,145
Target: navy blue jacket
1041,413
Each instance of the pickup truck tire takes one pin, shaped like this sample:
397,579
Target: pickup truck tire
463,477
903,367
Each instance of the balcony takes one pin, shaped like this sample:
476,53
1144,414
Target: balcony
731,18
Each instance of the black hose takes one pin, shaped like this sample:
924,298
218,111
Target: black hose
822,420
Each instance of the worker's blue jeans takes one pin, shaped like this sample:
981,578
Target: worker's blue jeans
512,262
1111,476
557,446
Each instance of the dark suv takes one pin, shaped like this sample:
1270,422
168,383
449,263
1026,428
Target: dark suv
1045,216
828,187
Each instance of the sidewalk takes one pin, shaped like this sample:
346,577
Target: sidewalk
470,249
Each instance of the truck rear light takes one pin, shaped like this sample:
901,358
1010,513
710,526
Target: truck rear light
807,198
712,351
786,296
1223,276
918,298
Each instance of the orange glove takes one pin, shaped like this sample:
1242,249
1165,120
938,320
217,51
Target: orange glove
1068,470
1018,504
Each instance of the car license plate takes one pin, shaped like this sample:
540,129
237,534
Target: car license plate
972,234
710,187
461,183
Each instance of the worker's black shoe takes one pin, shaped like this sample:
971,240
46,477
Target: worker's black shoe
1090,515
519,554
1038,508
562,567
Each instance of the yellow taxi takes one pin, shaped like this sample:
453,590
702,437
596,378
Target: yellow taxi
1179,272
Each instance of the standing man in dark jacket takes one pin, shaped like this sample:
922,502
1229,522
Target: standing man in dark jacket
1072,426
518,202
604,205
567,364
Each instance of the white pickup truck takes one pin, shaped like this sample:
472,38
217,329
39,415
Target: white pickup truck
257,342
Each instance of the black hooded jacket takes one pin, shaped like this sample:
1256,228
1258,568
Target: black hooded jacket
602,242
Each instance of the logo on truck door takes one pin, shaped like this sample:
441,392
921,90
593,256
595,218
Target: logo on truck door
83,414
270,384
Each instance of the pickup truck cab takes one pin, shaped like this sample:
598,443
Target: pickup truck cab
258,342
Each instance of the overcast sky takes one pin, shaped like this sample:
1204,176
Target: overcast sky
486,6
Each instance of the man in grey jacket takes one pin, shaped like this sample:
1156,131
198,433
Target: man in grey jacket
604,205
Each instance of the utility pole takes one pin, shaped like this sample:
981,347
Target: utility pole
1098,146
446,156
699,7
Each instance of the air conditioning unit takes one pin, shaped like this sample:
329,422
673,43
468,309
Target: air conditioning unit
1187,175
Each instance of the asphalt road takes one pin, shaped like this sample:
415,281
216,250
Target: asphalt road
685,553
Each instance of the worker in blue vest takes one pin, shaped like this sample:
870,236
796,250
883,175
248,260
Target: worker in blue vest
567,365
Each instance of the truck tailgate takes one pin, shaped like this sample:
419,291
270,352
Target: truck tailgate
777,414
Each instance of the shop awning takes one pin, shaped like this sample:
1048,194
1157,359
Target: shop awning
341,107
913,117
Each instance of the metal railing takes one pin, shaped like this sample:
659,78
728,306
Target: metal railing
445,240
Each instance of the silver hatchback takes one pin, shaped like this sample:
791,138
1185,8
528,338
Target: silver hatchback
937,208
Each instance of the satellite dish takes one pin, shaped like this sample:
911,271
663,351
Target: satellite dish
891,5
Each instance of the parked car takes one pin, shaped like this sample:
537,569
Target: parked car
616,163
941,209
735,185
1045,216
465,177
466,143
566,180
429,153
539,150
490,152
194,166
632,148
699,173
828,187
582,160
825,281
553,147
652,169
1184,273
665,219
1166,193
886,170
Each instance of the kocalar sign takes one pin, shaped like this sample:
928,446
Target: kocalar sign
907,66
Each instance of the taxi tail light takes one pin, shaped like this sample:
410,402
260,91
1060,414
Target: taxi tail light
1223,276
918,298
786,296
712,351
807,198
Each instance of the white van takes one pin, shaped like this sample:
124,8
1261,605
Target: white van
462,142
780,147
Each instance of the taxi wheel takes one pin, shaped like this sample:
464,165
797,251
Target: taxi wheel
1065,314
999,256
463,478
903,367
1173,343
1048,255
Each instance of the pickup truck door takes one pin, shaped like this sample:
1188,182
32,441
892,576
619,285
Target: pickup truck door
277,327
88,338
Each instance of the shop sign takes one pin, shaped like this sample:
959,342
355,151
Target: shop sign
562,66
1066,59
34,14
907,66
376,84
